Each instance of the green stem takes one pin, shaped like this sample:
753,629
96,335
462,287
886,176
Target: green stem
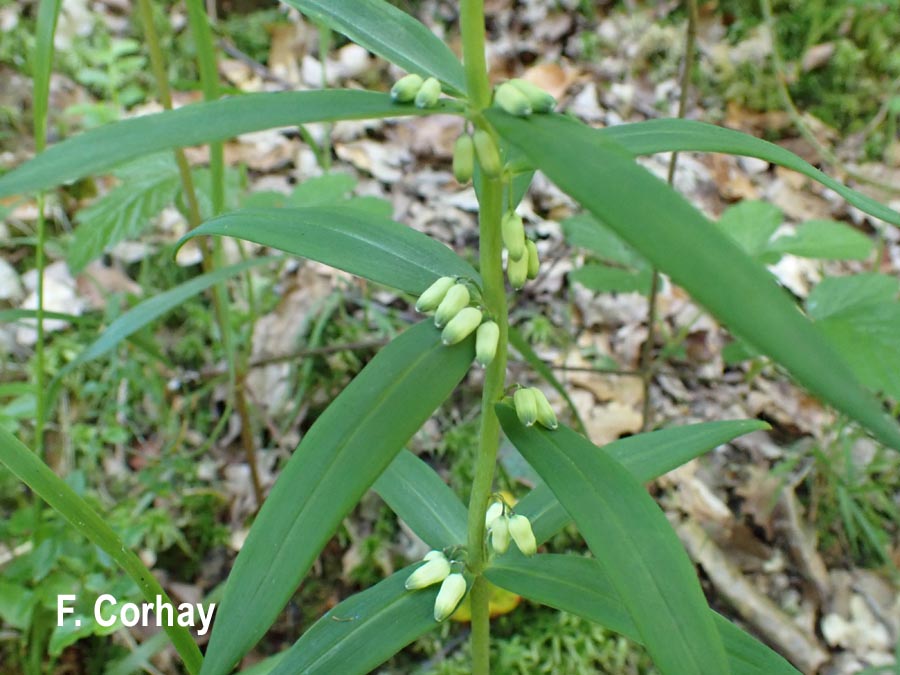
471,22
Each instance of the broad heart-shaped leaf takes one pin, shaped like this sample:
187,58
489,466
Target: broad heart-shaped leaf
582,587
676,135
426,503
147,186
379,249
100,149
674,236
392,34
629,534
363,631
339,458
646,456
28,468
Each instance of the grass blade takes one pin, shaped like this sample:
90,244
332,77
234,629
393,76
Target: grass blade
392,34
645,456
582,587
675,237
100,149
641,554
26,466
677,135
426,503
363,631
379,249
339,458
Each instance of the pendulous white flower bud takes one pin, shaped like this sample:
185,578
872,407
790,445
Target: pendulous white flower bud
432,572
522,534
406,88
500,534
512,100
486,339
540,100
428,93
517,271
534,262
513,232
452,591
461,326
487,153
463,159
494,511
545,415
526,406
454,300
434,294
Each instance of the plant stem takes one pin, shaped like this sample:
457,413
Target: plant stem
646,362
494,292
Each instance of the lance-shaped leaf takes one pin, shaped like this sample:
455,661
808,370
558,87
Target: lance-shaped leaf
582,587
100,149
660,224
363,631
426,503
630,536
376,248
28,468
646,456
339,458
392,34
677,135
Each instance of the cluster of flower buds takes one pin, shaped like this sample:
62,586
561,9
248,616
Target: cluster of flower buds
521,98
439,570
503,526
522,262
449,299
412,88
532,406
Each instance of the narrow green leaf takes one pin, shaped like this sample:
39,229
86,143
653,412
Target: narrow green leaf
339,458
633,541
606,279
26,466
665,228
585,231
379,249
100,149
148,311
426,503
825,240
582,587
42,65
390,33
125,211
11,315
677,135
646,456
363,631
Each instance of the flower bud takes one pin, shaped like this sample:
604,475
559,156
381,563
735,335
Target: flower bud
461,326
512,100
456,297
545,415
434,294
526,406
494,511
452,591
433,554
540,100
406,88
500,534
534,262
522,534
486,342
432,572
513,233
517,271
463,159
428,93
487,153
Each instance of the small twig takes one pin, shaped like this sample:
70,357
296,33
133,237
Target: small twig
646,366
258,68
